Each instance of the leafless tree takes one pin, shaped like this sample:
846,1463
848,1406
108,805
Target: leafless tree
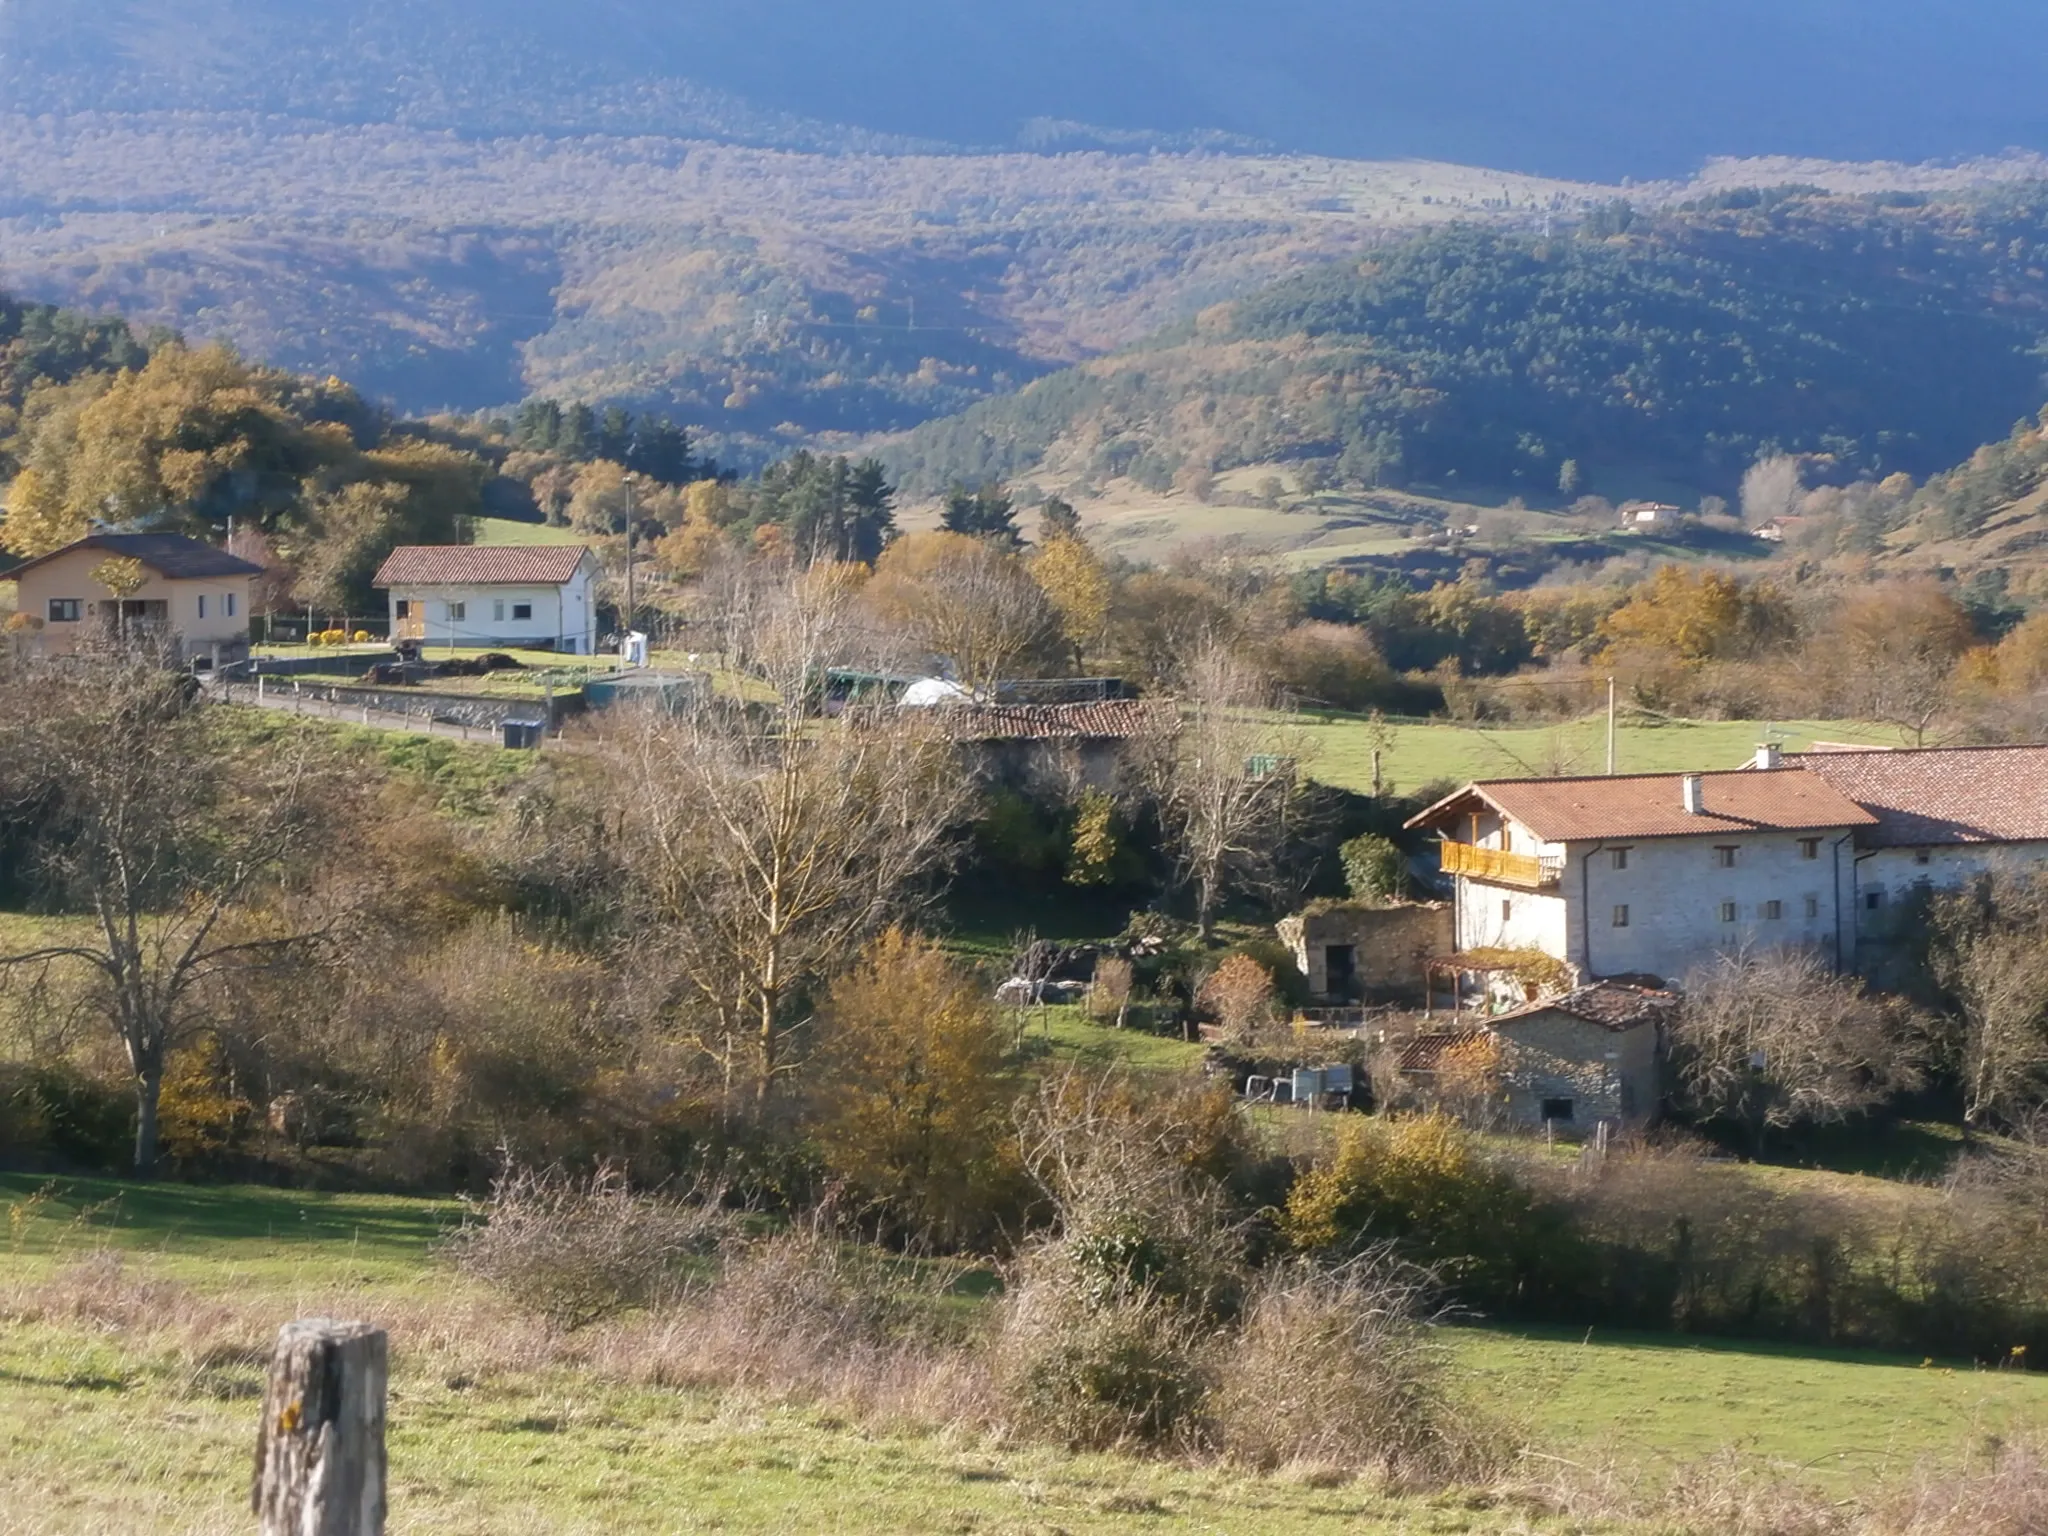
772,845
1772,487
1224,773
1774,1038
1990,954
971,602
183,861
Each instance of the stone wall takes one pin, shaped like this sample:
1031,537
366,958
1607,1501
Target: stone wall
1388,944
483,712
1607,1074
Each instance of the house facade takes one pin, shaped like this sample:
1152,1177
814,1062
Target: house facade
193,597
1945,816
538,597
1646,876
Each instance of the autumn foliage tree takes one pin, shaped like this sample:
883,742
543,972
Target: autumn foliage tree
910,1096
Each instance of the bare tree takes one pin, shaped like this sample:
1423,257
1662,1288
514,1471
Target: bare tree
1772,487
1990,954
771,845
181,859
1776,1038
1224,773
970,601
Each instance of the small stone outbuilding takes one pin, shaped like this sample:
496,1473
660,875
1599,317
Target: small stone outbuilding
1352,952
1591,1055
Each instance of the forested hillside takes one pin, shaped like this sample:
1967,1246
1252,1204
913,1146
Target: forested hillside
1886,333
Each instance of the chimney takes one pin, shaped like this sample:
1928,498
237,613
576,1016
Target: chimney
1769,756
1694,790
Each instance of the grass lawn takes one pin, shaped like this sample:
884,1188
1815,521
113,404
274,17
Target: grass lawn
506,530
130,1392
1439,750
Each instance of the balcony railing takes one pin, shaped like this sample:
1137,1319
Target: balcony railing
1530,871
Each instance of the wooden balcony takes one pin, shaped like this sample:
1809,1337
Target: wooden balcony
1531,872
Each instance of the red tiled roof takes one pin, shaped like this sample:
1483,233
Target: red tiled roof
1608,1004
1105,720
1942,794
1426,1052
1653,805
480,565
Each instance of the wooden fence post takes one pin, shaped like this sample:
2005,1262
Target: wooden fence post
320,1453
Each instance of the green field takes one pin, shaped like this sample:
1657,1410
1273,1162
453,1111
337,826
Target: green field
137,1319
506,530
1441,750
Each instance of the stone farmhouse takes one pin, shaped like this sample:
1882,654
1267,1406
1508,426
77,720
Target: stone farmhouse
1570,1062
535,596
1647,876
193,597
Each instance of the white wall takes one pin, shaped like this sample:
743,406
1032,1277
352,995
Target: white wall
1897,870
1503,917
1674,889
565,614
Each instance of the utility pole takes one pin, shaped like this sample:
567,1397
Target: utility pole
626,627
1610,727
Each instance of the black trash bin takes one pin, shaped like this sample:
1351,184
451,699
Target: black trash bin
524,735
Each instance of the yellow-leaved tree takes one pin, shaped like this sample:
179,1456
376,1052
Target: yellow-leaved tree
912,1100
1077,586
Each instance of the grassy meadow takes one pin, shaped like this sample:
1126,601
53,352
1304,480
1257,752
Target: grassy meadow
1425,752
137,1320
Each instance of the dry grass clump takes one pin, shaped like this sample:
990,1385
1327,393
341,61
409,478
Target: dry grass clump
1337,1367
577,1250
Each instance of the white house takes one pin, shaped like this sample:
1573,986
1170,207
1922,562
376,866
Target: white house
1648,875
1944,816
540,596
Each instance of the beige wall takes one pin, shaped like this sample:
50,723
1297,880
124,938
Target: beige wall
70,576
1607,1074
1388,944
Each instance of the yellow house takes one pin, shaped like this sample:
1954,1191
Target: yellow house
193,595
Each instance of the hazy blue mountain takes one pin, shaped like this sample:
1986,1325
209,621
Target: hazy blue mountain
1583,88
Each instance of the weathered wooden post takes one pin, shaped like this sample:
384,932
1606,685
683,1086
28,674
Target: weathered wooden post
320,1453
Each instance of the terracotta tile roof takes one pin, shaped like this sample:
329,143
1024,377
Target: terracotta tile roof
1104,720
480,565
170,555
1608,1004
1426,1052
1652,805
1942,794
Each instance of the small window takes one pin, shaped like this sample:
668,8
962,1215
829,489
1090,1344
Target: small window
1621,858
1507,909
522,611
1727,911
1873,899
230,601
1812,907
1557,1109
64,610
1773,911
1922,856
1725,857
1621,917
202,605
457,612
1809,847
498,611
402,609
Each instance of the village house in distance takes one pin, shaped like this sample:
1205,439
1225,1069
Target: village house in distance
493,597
191,596
1648,876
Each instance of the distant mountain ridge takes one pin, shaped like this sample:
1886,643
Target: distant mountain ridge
1587,89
